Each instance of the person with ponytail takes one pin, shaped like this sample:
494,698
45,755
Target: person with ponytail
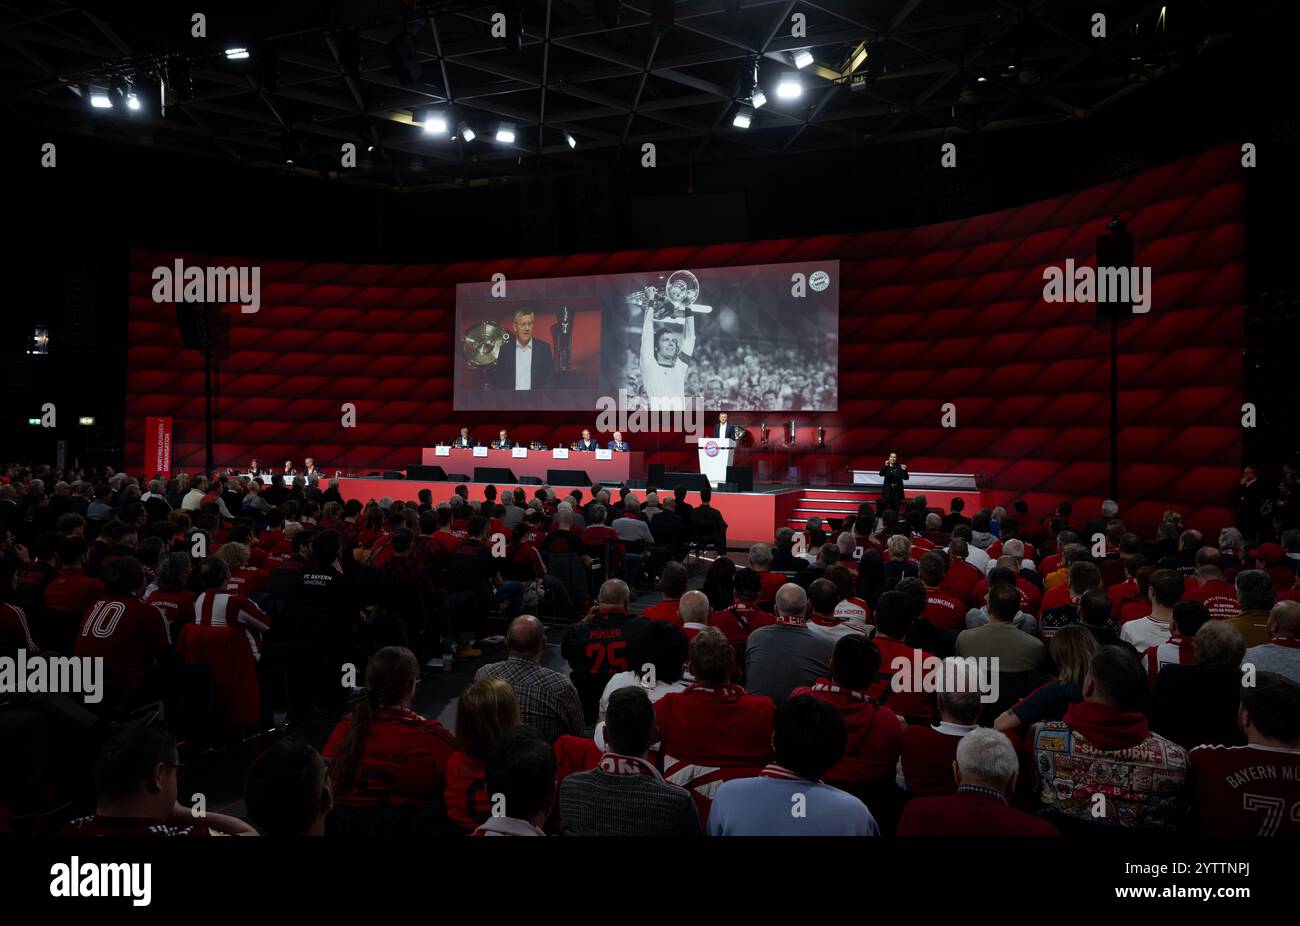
385,755
486,710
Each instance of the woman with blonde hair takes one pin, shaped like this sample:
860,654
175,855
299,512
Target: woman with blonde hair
486,710
1072,649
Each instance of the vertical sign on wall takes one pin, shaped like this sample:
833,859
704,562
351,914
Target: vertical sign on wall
158,447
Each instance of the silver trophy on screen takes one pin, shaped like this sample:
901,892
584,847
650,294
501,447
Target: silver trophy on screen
673,300
481,345
562,337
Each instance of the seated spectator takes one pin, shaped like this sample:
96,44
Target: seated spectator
1196,704
1257,594
986,769
824,599
709,525
961,577
894,622
130,636
925,763
660,658
486,711
625,795
1072,651
943,609
67,596
1211,588
548,702
874,734
761,561
1243,790
289,791
597,648
999,639
695,610
783,559
673,585
743,616
170,593
385,756
1178,649
1130,591
520,769
226,634
1060,605
1165,590
1006,569
789,798
785,654
1282,653
1096,613
899,564
850,607
135,792
1105,747
713,730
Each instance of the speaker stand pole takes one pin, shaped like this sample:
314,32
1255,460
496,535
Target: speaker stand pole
1114,403
207,405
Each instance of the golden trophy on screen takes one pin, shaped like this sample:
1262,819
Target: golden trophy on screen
481,345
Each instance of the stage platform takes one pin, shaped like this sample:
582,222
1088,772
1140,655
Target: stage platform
750,516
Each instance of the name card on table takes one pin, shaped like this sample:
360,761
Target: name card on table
605,454
442,451
560,453
519,453
480,451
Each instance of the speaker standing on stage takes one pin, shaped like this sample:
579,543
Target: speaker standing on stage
724,430
894,473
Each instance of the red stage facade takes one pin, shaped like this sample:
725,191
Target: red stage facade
930,316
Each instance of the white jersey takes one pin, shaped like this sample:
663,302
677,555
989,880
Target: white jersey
665,384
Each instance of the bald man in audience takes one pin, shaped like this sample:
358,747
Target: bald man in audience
786,655
548,701
1282,653
694,609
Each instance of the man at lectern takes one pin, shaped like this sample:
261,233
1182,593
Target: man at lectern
722,429
618,443
893,473
587,443
464,440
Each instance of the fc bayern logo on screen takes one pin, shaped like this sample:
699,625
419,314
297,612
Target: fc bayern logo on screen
711,448
819,280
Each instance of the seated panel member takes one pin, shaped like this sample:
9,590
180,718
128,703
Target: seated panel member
587,442
503,441
464,440
618,443
288,468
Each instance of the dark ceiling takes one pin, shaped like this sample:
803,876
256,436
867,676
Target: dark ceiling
320,75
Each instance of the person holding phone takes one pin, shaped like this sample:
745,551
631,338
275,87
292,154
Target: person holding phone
894,474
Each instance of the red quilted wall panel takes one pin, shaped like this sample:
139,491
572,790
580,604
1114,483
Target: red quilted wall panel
941,313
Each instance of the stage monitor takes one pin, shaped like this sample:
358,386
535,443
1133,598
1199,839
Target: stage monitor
568,477
433,473
742,477
494,474
755,338
693,482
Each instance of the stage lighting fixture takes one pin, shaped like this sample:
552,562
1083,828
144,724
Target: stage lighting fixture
790,87
132,101
99,100
758,99
236,54
570,141
404,60
466,133
39,344
506,133
802,58
742,119
435,123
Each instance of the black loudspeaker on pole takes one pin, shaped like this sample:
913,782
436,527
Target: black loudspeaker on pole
1114,249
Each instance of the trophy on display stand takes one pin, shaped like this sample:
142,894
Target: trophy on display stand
562,336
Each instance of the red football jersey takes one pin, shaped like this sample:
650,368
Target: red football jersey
128,633
177,607
468,801
944,609
664,611
404,759
1246,790
72,591
1218,596
739,621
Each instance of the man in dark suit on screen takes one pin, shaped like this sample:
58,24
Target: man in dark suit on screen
524,363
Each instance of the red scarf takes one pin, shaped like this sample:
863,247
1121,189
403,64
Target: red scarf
780,771
1285,641
1107,727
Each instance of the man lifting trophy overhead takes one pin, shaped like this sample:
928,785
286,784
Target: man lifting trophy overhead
666,354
